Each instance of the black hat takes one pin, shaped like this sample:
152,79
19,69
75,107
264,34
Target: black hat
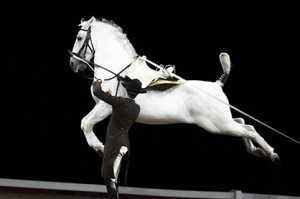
134,85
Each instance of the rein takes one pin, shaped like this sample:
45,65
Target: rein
89,63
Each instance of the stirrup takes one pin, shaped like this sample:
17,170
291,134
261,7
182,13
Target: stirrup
170,68
167,70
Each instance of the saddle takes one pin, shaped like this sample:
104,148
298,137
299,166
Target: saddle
164,84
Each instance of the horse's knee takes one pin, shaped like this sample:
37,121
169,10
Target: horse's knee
86,126
82,125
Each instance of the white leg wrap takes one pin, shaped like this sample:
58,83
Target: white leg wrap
117,163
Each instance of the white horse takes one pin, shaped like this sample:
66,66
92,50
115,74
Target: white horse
103,45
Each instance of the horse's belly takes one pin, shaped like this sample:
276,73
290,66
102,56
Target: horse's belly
162,115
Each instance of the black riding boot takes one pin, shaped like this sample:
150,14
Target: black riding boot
112,189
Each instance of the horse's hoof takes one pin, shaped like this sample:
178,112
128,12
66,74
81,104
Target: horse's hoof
100,153
276,159
259,153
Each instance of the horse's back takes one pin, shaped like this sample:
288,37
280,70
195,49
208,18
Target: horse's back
181,102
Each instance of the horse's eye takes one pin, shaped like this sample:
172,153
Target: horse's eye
79,38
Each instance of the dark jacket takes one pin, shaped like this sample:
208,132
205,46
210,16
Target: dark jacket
124,113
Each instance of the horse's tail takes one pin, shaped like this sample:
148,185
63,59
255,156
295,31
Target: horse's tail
226,65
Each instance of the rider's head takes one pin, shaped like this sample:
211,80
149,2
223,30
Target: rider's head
133,87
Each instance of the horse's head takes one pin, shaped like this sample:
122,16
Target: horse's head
102,46
102,43
83,48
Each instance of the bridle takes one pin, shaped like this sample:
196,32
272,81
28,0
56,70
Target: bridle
86,44
81,56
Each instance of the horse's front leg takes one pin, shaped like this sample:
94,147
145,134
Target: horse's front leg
98,113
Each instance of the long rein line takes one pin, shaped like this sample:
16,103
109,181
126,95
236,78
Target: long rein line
242,112
238,110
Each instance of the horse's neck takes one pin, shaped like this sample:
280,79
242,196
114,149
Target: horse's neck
113,58
113,51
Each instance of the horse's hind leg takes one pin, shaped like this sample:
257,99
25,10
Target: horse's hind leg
98,113
250,147
249,132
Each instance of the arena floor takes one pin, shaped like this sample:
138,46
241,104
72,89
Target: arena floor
28,189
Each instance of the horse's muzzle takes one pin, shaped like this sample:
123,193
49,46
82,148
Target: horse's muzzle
77,65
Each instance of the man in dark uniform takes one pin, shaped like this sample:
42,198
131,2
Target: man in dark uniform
124,113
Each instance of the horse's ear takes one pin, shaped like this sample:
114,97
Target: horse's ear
90,21
82,21
86,24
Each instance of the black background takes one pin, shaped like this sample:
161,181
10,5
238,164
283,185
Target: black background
43,100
